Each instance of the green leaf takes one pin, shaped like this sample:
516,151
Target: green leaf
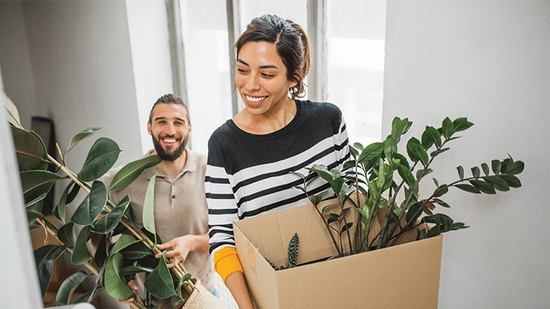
485,169
448,128
511,167
417,152
132,270
67,235
399,127
371,152
108,222
36,182
34,209
92,205
44,258
390,147
441,203
414,212
498,183
81,251
101,157
461,124
496,165
431,136
293,248
68,287
346,227
476,172
406,175
123,241
30,150
441,190
80,136
149,206
160,282
460,170
483,186
511,180
114,284
467,188
136,251
131,171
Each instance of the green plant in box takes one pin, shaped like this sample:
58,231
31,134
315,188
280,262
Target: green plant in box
383,185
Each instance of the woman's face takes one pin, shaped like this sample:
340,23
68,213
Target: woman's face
261,79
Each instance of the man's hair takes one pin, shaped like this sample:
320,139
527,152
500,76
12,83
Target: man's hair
169,99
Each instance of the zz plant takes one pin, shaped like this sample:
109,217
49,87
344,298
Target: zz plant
379,181
113,262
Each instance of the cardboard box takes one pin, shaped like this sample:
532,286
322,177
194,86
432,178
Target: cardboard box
402,276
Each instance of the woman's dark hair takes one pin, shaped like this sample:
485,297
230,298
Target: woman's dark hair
290,42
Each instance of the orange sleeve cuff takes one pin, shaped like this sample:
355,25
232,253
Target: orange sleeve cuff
227,262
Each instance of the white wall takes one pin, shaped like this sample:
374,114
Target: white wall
78,62
488,61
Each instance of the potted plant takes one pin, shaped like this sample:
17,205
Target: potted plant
113,262
378,204
390,181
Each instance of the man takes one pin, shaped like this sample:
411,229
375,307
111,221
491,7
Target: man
181,213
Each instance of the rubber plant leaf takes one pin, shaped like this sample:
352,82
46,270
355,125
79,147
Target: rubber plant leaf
68,287
34,209
62,204
132,270
36,182
115,285
148,214
81,251
30,150
136,251
160,282
92,205
131,171
123,241
44,258
80,136
101,157
108,222
66,235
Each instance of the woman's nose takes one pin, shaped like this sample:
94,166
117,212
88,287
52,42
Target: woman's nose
252,82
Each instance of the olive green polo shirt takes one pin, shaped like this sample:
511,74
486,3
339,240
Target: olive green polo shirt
180,208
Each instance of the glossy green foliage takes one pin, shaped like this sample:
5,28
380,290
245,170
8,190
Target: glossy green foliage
95,219
389,178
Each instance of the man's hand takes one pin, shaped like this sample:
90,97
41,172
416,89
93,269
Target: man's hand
132,284
179,247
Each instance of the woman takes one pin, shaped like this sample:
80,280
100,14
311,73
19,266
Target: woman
250,157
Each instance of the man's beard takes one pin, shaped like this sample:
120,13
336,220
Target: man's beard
169,155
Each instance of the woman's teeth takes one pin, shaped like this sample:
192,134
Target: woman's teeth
255,99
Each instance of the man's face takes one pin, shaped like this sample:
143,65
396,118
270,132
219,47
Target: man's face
170,130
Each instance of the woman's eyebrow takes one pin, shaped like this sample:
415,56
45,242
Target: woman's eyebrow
266,66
